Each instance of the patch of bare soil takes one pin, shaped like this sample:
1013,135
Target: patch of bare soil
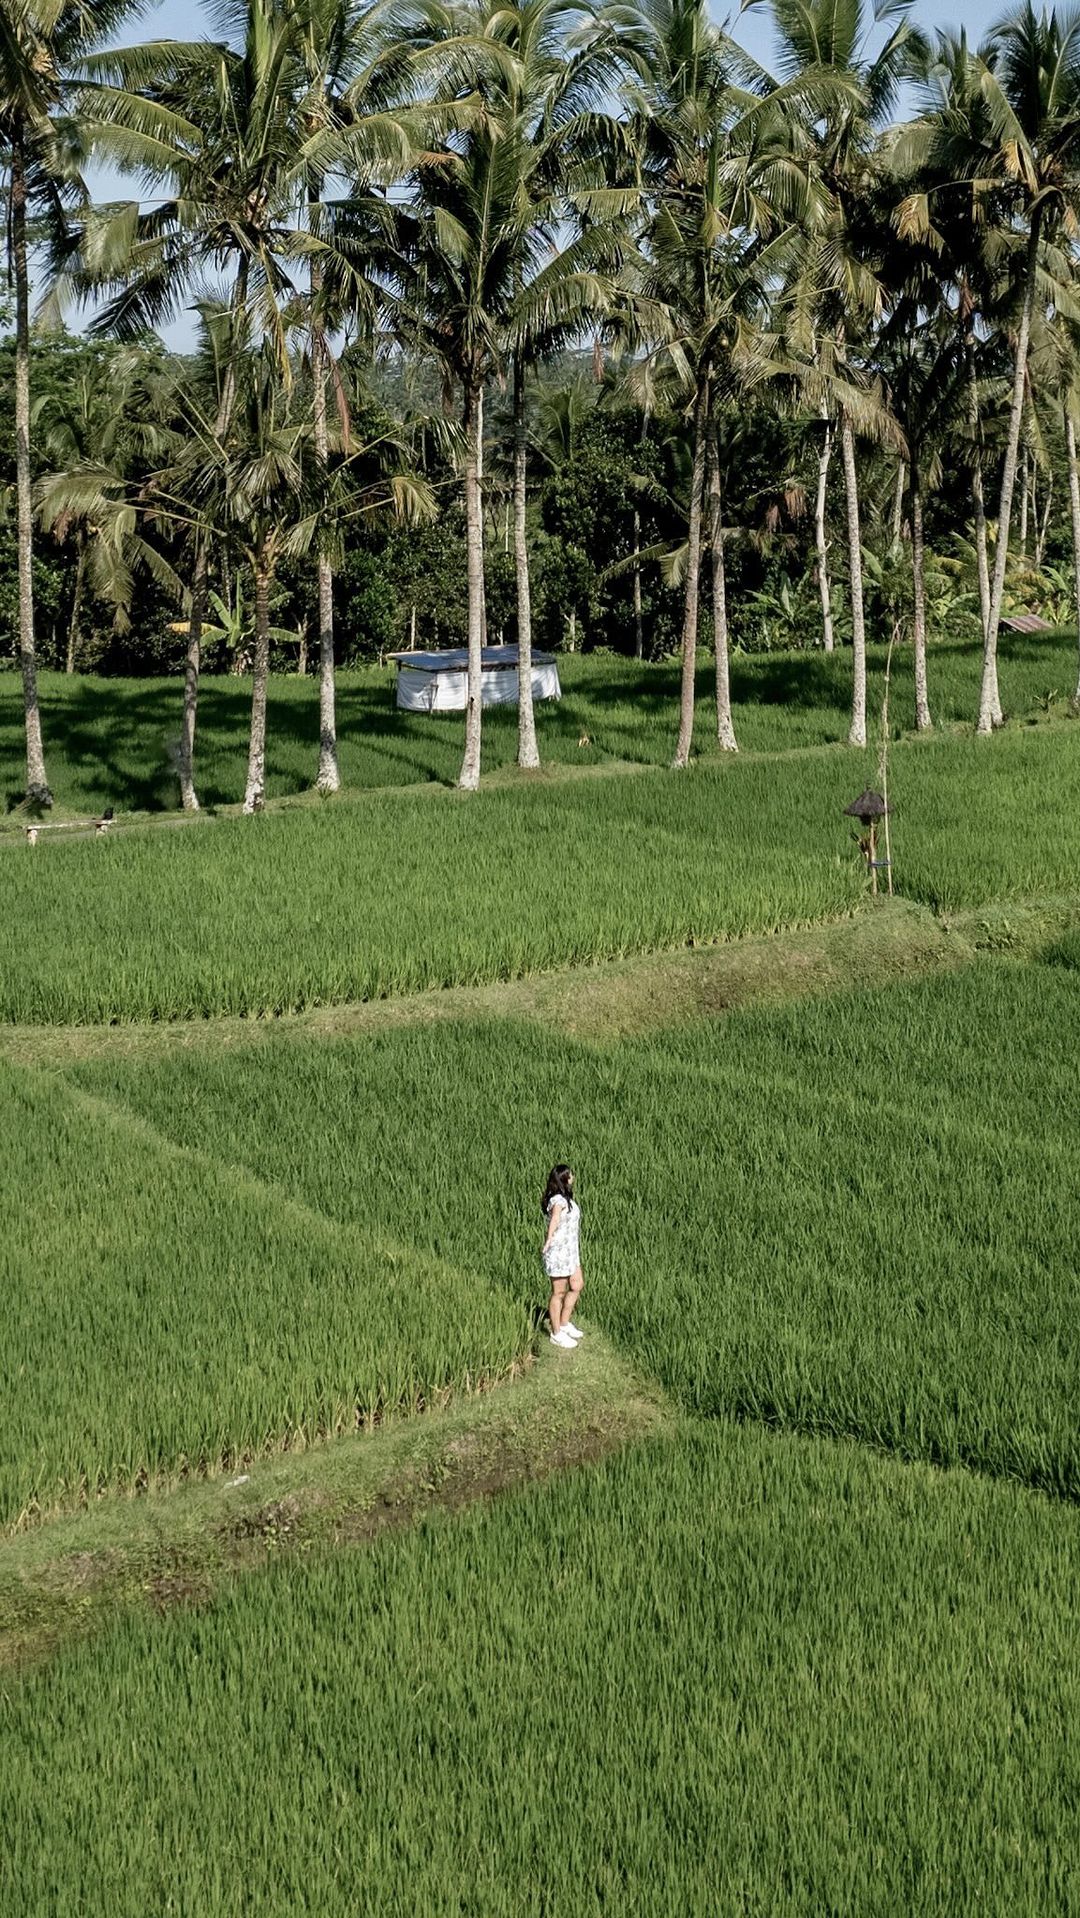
168,1589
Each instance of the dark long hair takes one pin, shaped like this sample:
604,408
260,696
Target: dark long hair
560,1185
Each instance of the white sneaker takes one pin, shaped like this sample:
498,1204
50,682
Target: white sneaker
575,1331
563,1340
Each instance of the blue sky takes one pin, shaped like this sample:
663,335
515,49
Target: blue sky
187,20
182,19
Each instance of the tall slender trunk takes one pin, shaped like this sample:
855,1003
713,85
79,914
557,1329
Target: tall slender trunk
329,777
857,732
1042,524
978,500
725,727
200,580
480,486
693,571
918,570
74,625
528,753
821,543
37,785
898,502
639,629
1025,495
1074,505
472,420
989,700
255,790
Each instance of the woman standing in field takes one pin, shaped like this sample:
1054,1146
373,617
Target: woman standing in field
561,1255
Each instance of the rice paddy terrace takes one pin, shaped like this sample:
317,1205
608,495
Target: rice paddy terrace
326,1586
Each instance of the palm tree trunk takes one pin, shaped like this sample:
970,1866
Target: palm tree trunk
639,630
821,543
922,703
978,501
255,790
693,570
528,752
37,785
1074,504
1042,525
898,502
480,494
725,727
1025,495
74,633
989,700
329,776
200,580
857,732
472,420
185,766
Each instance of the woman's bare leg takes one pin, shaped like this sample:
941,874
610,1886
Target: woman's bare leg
573,1294
558,1311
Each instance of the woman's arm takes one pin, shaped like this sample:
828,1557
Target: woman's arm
558,1206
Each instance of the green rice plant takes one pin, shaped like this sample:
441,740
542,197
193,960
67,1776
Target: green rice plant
983,820
166,1313
841,1215
396,893
725,1672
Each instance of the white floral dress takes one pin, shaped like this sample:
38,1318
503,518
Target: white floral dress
562,1254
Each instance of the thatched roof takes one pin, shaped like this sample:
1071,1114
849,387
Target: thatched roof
869,805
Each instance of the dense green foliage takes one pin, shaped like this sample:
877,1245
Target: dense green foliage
838,1215
165,1309
731,1671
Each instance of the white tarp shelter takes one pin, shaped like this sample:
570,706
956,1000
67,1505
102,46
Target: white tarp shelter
439,682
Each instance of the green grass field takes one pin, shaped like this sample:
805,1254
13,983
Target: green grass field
166,1310
804,1647
398,892
726,1672
837,1215
110,740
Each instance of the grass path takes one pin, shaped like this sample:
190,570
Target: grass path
69,1573
74,1574
613,999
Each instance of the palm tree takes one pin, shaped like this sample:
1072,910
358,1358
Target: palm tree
546,102
454,267
1016,158
262,487
99,431
362,125
1033,87
718,183
41,43
850,92
241,135
210,125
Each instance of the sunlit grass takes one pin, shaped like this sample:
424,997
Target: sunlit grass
841,1215
165,1312
728,1672
111,742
